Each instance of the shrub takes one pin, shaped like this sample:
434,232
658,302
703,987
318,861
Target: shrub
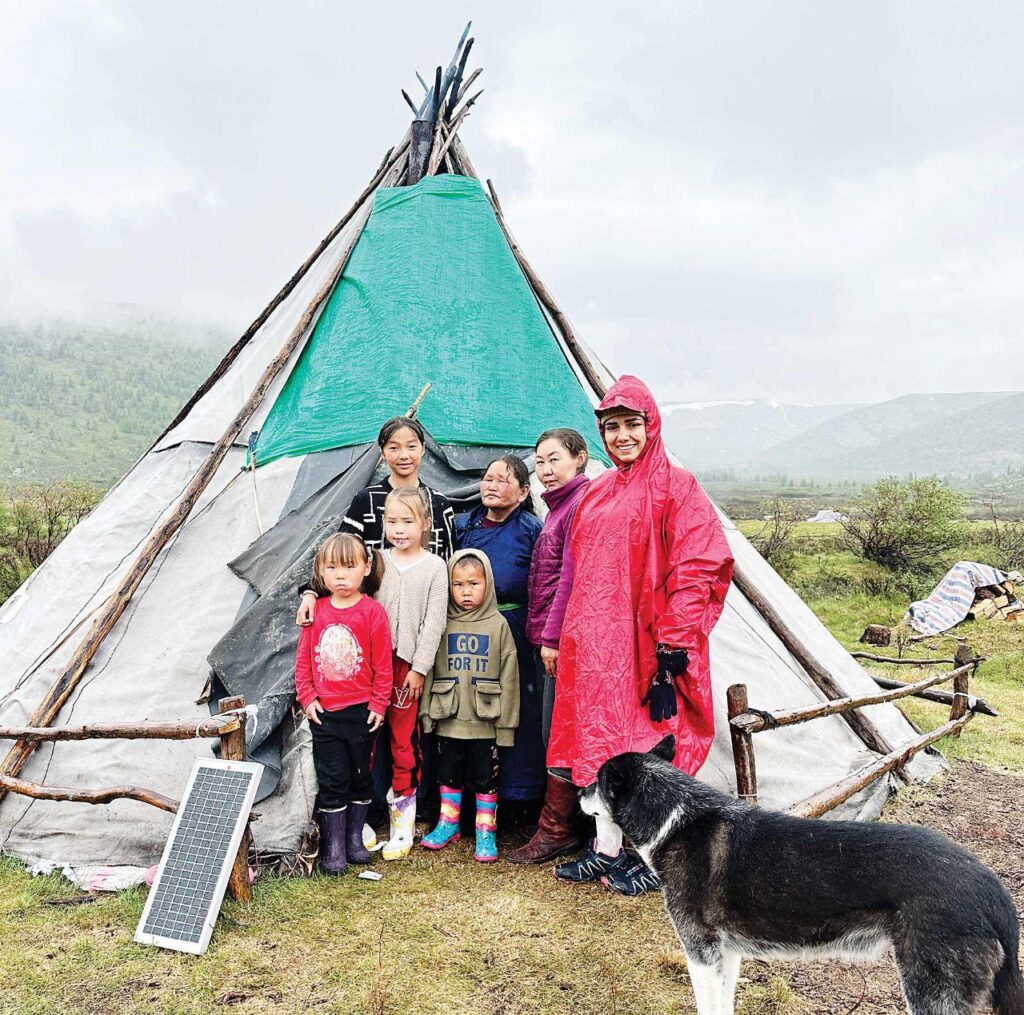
1005,541
905,526
774,540
33,521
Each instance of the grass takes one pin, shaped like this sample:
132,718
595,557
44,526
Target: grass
438,933
441,933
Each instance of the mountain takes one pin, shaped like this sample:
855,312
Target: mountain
728,434
952,433
83,401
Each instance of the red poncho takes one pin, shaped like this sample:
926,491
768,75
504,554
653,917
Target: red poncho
652,567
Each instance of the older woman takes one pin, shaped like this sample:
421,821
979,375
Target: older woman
652,567
506,529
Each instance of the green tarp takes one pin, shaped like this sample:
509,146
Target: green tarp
432,292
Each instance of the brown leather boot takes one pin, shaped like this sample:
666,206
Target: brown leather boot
554,835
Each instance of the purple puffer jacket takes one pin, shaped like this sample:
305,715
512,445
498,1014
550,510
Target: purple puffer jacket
551,566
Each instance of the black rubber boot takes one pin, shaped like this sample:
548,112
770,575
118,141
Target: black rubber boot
332,842
354,848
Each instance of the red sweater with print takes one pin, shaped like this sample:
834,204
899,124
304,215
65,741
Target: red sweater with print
344,657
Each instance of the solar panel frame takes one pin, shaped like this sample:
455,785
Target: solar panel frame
193,872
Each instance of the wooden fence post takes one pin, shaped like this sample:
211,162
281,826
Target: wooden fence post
961,698
232,748
742,746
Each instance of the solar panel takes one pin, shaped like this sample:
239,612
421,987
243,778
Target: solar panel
193,873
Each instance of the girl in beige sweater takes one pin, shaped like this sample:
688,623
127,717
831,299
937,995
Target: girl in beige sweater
414,594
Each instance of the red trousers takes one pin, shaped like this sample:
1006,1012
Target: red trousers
403,721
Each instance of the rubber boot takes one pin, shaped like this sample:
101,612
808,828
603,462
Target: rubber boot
403,826
554,835
355,850
447,829
332,842
486,827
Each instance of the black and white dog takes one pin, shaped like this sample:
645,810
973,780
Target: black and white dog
741,882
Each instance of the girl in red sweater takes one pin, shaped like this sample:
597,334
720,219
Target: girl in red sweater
343,682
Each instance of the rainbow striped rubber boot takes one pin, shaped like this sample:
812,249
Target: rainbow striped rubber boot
486,827
447,829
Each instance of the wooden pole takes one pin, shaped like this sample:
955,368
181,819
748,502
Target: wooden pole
68,680
546,300
827,799
754,723
390,159
188,730
87,796
900,662
977,705
448,135
232,748
742,745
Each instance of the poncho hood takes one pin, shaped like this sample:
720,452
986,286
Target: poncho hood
630,392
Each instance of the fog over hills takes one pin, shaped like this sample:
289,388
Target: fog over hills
730,434
81,398
962,434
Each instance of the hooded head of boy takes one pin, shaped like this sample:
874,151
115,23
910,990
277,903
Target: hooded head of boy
469,582
406,518
343,566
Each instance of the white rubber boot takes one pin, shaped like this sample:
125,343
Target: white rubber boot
403,825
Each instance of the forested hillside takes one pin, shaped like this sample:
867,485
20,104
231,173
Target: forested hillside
83,402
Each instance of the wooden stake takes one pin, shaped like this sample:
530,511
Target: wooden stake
232,748
68,680
211,727
415,407
87,796
742,745
827,799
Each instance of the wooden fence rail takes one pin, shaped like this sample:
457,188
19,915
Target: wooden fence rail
745,721
187,730
228,726
755,722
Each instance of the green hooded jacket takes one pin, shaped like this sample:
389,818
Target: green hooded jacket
472,693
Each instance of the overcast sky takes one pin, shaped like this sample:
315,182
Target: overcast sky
809,201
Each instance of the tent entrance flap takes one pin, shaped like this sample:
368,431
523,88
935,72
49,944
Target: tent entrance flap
432,292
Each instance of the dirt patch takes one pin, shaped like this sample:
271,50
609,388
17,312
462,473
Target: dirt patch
978,807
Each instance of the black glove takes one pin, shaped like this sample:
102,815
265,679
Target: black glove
661,697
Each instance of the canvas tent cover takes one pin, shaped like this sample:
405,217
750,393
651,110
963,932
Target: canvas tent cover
431,292
219,591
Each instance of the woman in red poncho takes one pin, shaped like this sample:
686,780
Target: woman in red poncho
652,569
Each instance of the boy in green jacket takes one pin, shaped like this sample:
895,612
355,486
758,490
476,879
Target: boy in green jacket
471,700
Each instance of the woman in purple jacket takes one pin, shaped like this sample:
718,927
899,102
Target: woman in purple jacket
561,459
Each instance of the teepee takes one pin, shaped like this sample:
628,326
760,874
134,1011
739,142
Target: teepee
182,581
